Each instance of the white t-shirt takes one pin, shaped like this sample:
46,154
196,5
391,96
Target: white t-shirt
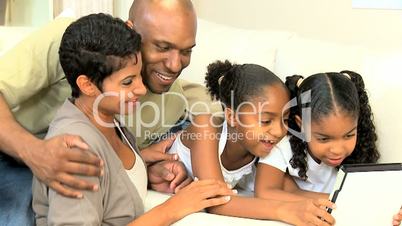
243,177
321,177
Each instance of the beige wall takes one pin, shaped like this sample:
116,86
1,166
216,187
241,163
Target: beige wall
39,12
121,8
332,20
29,12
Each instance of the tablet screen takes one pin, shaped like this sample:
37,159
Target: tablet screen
367,194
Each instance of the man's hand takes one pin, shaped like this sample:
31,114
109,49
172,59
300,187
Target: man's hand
168,176
157,152
56,160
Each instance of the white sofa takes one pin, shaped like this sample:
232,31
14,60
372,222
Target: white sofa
286,53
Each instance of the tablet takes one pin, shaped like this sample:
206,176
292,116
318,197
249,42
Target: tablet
367,194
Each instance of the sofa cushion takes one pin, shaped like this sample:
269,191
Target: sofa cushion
220,42
381,73
307,56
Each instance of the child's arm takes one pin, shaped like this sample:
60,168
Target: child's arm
291,186
270,183
205,165
302,212
273,182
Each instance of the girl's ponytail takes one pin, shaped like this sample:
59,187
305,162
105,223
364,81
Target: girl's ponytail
292,83
299,147
233,84
366,149
215,77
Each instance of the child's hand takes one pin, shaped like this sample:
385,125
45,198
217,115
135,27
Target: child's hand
396,220
308,212
198,196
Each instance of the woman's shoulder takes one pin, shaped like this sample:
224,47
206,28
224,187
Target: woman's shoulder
70,120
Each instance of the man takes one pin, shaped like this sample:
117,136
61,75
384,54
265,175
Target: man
168,29
33,86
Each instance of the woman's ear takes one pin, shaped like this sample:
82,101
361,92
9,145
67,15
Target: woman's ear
230,117
86,86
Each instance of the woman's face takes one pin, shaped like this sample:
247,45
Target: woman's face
122,89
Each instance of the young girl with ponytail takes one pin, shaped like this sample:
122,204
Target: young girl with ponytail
253,99
332,124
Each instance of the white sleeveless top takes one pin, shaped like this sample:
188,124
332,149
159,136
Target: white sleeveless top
138,173
243,176
321,177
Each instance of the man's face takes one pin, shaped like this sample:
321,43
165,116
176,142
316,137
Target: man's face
167,41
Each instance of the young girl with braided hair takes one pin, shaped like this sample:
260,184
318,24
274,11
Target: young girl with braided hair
338,128
340,123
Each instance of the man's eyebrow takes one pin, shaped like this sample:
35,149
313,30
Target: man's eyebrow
173,45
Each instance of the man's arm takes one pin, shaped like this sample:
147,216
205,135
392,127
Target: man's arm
51,160
26,70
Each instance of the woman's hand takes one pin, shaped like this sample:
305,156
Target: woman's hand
198,196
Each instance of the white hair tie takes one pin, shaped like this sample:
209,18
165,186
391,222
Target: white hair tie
347,75
220,79
299,82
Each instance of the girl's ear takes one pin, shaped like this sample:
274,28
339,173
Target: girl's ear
86,86
230,117
298,121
